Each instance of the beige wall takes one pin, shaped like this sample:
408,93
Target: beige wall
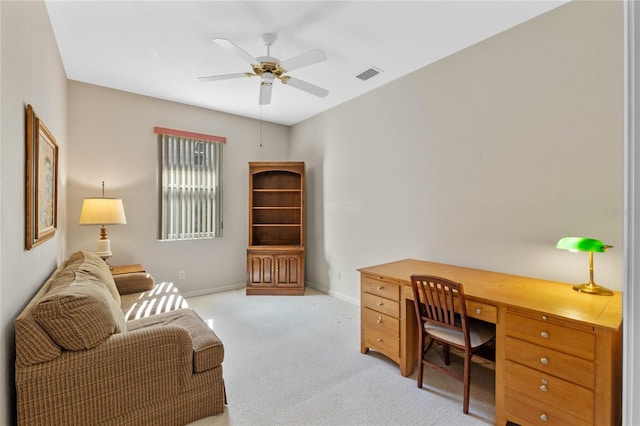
111,139
631,276
484,159
31,73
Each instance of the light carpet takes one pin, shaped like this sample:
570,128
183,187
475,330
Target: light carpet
295,360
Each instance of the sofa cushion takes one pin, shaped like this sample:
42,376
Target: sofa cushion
208,351
79,315
90,263
94,265
33,344
133,282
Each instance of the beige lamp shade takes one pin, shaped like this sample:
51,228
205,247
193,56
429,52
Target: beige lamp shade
102,211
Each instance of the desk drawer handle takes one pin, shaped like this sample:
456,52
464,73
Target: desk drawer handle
543,417
380,287
379,320
544,334
544,317
379,339
478,310
380,304
544,360
543,386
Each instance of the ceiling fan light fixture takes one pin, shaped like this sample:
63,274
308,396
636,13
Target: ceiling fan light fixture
267,77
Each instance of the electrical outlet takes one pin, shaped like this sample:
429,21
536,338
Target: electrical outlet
182,275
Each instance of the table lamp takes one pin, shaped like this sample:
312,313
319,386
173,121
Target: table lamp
103,211
589,245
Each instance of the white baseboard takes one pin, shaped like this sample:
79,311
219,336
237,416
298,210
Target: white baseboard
334,293
239,286
214,290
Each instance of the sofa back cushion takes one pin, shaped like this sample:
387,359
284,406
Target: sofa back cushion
92,264
79,315
34,344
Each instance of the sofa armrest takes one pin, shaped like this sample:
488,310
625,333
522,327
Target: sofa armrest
126,372
135,282
208,350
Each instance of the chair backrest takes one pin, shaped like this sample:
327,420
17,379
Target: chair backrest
439,301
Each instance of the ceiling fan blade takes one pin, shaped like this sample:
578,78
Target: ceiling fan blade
265,93
307,87
311,57
225,76
226,44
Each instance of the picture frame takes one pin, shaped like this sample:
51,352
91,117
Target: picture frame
41,181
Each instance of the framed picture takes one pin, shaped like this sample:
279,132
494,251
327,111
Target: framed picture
41,182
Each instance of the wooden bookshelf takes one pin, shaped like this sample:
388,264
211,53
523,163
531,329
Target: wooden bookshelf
275,256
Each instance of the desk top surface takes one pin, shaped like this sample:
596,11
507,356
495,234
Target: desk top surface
550,297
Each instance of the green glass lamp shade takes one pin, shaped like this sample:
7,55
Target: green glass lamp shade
581,244
589,245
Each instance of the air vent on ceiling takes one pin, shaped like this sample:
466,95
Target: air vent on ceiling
366,75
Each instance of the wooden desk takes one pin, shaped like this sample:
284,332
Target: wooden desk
558,351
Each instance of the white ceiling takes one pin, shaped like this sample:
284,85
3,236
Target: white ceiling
160,48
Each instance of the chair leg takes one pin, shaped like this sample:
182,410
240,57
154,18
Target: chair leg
446,351
467,382
420,357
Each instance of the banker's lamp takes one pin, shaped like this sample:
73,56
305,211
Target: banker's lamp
589,245
103,211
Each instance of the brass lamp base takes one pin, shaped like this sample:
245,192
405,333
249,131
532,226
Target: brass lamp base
593,288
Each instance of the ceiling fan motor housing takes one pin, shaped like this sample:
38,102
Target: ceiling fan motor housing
268,64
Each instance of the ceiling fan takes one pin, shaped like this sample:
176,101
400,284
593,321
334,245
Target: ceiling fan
269,68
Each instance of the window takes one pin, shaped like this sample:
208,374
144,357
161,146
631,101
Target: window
189,185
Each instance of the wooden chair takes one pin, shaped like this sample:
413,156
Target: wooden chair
442,316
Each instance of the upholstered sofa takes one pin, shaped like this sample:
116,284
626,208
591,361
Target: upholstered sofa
92,348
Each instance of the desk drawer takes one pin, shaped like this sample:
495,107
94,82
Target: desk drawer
383,343
552,334
381,288
552,362
479,310
380,304
482,311
376,322
527,411
550,390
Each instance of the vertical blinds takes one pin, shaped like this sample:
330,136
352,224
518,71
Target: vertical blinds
190,188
